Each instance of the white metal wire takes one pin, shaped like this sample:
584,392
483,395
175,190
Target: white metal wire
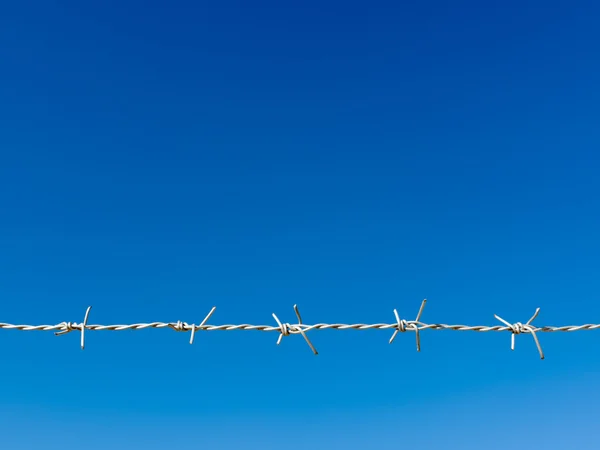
286,329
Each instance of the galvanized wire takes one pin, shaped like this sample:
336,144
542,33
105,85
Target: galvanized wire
286,329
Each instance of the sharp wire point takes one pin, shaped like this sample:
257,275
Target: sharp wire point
535,314
417,322
399,327
421,309
297,313
83,325
283,329
201,324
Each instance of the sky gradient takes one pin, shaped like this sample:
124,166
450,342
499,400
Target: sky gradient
161,158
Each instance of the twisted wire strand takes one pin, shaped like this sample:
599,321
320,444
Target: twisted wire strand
304,327
287,329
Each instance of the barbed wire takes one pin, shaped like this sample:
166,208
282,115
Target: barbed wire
287,329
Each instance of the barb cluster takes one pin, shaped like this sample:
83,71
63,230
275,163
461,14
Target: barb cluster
286,329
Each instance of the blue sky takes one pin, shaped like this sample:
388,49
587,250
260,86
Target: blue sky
159,159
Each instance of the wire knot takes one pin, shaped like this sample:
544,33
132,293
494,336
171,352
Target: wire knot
285,329
179,326
403,325
67,327
519,328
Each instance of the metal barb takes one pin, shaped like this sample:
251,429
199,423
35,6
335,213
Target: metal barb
403,325
286,329
518,328
68,327
201,324
83,325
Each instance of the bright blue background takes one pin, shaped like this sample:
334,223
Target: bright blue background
159,158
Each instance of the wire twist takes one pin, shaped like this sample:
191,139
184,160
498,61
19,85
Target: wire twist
287,329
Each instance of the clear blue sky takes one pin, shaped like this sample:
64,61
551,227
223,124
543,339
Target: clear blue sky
159,158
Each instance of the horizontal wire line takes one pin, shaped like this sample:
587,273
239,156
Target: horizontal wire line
286,329
305,327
